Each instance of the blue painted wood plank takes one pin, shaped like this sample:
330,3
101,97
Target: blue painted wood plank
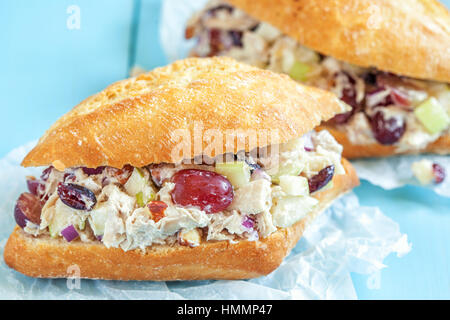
424,273
47,68
149,53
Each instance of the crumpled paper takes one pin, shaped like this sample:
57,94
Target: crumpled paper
388,173
346,238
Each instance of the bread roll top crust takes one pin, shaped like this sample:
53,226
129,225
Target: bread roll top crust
408,37
142,120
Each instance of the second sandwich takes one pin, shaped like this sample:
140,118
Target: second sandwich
389,60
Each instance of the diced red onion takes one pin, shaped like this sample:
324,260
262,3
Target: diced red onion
248,223
309,145
69,233
99,238
259,174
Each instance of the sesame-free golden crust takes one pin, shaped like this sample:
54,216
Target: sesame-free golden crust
408,37
45,257
142,120
352,151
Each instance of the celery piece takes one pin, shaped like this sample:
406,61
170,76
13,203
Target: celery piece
294,185
97,219
140,199
145,196
138,186
238,172
299,71
432,115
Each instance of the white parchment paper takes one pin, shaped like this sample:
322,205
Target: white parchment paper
388,173
346,238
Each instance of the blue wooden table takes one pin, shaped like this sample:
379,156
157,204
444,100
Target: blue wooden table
47,68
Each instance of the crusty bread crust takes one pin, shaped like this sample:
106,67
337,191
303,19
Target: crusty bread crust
142,120
352,151
407,37
50,258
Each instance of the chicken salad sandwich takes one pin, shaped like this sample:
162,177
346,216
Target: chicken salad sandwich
130,191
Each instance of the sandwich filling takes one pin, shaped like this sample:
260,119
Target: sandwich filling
386,108
247,197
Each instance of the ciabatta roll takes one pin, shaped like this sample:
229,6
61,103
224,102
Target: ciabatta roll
117,202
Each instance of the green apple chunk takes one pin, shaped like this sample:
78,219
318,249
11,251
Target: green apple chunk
97,219
299,71
432,115
62,219
288,169
289,210
294,185
238,172
136,182
139,186
423,171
